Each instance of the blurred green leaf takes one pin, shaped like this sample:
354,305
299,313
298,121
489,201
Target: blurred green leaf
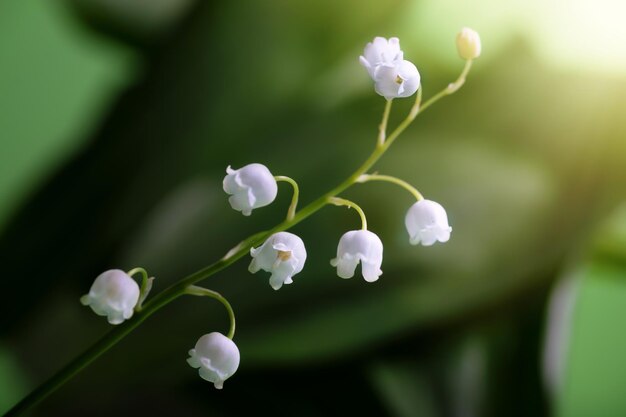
526,158
594,378
609,244
56,79
12,380
406,392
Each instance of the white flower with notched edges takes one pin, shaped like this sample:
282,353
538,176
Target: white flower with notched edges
283,254
381,53
250,187
216,357
427,222
359,246
397,81
468,44
113,294
393,76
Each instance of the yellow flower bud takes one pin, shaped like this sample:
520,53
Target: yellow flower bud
468,44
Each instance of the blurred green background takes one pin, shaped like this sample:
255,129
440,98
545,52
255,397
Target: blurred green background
117,120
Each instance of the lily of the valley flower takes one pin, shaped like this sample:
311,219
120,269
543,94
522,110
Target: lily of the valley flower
113,294
381,53
427,222
393,76
468,44
398,81
250,187
283,254
216,357
359,246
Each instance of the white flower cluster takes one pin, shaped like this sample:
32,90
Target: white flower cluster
117,296
283,254
393,76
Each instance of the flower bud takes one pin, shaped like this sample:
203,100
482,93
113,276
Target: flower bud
468,44
359,246
250,187
427,222
216,357
113,294
283,254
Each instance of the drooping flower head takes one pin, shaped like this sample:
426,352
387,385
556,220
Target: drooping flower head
283,254
250,187
468,44
427,222
359,246
216,357
114,294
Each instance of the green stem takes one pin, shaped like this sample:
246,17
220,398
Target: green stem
343,202
205,292
146,285
291,212
144,274
238,252
394,180
88,356
382,128
451,88
416,106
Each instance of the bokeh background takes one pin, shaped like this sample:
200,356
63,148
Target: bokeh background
118,118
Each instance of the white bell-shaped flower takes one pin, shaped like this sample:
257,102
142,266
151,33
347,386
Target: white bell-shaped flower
468,44
427,222
283,254
216,357
380,52
250,187
396,81
113,294
359,246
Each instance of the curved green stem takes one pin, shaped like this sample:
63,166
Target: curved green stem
291,212
343,202
233,255
146,285
205,292
451,88
144,274
394,180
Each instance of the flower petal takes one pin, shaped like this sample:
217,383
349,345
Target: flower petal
371,271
